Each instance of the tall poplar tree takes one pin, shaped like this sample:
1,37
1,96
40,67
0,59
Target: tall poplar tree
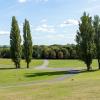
96,24
85,40
15,42
28,49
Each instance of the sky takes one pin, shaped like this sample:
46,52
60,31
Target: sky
51,21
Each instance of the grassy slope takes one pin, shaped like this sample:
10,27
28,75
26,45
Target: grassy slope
69,63
84,86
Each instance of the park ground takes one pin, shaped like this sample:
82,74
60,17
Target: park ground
55,81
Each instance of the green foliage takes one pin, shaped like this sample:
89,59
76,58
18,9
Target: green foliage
96,24
85,40
15,42
46,52
28,49
52,54
60,55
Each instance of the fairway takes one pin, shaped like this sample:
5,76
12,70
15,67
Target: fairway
9,76
7,63
84,86
70,64
32,84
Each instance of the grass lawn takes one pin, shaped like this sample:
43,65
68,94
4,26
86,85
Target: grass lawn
70,63
7,63
9,76
84,86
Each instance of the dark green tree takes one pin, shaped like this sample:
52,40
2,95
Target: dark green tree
96,24
46,53
85,40
15,42
27,45
60,55
52,54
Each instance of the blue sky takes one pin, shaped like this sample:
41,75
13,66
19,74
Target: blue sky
52,21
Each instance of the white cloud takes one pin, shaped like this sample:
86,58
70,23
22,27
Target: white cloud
24,1
42,0
55,36
93,8
4,32
69,22
44,20
93,0
45,28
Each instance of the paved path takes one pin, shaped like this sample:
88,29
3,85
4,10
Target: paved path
44,66
69,73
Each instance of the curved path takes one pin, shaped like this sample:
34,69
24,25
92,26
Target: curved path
71,72
45,67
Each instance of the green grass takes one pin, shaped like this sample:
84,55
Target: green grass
7,63
16,77
84,86
9,76
69,63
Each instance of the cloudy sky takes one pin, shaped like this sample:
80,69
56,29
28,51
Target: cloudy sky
52,21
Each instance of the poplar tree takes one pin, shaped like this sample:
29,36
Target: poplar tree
28,49
96,24
85,40
15,43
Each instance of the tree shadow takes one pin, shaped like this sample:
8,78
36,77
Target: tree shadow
52,73
85,71
68,72
6,68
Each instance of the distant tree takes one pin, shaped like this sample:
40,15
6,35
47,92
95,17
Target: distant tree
96,24
65,53
5,53
85,40
15,42
46,52
52,54
60,55
27,45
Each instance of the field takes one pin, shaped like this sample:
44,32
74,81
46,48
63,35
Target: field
31,84
70,63
7,63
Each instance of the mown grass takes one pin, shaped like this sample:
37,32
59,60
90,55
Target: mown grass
70,63
23,76
10,76
84,86
7,63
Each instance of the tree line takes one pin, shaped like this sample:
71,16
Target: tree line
68,51
86,49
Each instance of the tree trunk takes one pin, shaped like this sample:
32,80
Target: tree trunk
88,67
27,65
18,66
99,63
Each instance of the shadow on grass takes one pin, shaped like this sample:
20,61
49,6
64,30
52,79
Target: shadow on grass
69,72
52,73
85,71
6,68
